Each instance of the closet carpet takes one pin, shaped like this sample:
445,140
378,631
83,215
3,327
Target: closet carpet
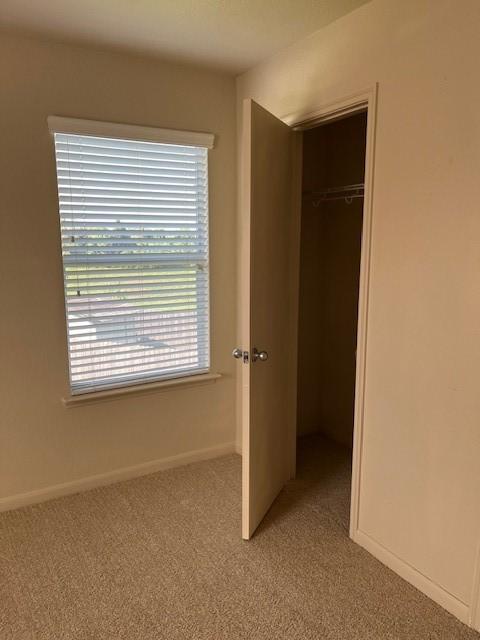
160,557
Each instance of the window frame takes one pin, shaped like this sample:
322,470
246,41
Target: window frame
136,133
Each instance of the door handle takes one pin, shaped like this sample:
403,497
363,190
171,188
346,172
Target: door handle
259,355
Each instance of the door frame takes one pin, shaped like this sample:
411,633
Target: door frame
365,100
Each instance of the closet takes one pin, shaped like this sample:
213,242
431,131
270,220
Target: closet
333,172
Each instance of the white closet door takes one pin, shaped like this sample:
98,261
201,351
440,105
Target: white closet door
267,184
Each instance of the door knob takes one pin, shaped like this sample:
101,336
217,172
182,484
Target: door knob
240,355
259,355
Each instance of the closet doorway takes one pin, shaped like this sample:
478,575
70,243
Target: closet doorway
304,272
333,175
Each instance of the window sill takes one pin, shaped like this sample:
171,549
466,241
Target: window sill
139,389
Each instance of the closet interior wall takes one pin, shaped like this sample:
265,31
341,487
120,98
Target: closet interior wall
333,156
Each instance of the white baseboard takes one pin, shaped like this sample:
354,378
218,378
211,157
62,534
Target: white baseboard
124,473
474,618
439,595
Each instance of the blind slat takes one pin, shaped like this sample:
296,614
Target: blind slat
128,288
125,181
190,358
106,354
129,335
121,358
119,380
134,232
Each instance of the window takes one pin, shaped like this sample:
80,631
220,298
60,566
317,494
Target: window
134,231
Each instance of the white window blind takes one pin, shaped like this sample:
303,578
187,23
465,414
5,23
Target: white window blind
134,229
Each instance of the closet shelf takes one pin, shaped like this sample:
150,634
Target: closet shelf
348,193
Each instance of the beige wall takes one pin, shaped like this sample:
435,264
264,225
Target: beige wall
420,482
42,443
333,155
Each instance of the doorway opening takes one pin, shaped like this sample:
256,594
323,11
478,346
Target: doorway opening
332,210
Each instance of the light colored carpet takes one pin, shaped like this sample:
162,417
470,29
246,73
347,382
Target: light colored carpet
161,557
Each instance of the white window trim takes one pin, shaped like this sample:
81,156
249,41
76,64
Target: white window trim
118,393
76,126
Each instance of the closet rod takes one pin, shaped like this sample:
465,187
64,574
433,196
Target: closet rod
347,193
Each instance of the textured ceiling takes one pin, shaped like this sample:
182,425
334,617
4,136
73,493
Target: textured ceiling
230,34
